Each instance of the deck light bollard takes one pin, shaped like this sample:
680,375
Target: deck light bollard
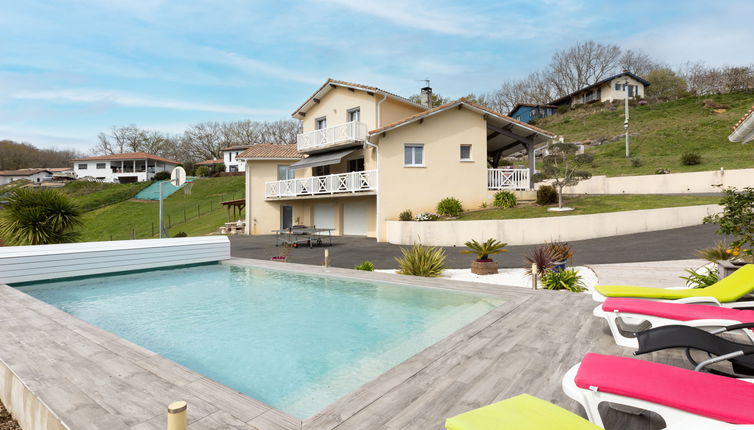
177,416
534,276
327,257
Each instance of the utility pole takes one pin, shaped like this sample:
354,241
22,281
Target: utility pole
625,123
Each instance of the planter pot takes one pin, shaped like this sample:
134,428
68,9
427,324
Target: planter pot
559,266
483,267
280,259
726,267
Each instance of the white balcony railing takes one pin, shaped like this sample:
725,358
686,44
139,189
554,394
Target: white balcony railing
508,179
348,132
351,182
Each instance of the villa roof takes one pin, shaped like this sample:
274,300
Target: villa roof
746,116
23,172
741,133
210,162
332,83
596,84
271,151
235,148
469,105
128,156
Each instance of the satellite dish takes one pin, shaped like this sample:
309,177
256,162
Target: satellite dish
178,177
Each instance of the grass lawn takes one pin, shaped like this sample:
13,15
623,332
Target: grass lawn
94,195
666,131
201,208
593,204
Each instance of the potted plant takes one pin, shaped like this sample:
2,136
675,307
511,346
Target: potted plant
484,265
560,253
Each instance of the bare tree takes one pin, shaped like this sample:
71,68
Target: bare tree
582,65
637,62
131,139
205,140
17,155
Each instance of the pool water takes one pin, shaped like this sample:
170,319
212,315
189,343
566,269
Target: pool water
296,342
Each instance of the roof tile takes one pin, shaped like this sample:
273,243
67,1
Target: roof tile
128,156
271,150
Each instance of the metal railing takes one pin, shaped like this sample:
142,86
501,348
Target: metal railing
350,182
508,179
353,131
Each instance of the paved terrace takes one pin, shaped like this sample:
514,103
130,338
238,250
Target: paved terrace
92,379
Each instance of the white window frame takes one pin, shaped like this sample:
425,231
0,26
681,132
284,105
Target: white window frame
97,166
460,148
350,113
83,166
413,155
322,120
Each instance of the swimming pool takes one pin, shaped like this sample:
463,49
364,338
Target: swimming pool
295,341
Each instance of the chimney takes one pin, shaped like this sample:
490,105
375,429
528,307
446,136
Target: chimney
425,97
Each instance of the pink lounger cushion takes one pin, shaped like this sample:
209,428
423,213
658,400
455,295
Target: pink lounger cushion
717,397
676,311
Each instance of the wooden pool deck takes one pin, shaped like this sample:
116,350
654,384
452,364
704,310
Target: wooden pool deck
91,379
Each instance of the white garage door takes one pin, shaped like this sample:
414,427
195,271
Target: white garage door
356,219
324,215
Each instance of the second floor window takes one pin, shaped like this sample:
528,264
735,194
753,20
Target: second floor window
356,165
320,170
413,155
354,115
465,152
82,166
285,172
320,123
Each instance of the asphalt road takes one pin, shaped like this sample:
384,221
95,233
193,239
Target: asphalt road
675,244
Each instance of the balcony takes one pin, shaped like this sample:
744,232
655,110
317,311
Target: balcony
508,179
340,183
329,137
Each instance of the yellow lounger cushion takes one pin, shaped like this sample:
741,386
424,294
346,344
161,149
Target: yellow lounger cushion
729,289
523,412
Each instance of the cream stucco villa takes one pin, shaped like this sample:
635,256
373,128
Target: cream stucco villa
366,154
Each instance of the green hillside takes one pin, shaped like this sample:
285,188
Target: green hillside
666,131
195,214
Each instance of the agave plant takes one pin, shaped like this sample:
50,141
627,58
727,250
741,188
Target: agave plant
484,249
38,217
420,260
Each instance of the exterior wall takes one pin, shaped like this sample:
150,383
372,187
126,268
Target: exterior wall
392,111
538,230
335,105
229,159
108,175
673,183
444,175
264,216
609,93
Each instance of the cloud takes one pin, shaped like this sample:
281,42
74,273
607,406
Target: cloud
247,64
131,100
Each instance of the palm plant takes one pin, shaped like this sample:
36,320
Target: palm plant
483,250
38,217
420,260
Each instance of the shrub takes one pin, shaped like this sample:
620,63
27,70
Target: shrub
719,251
161,176
563,280
420,260
542,257
365,265
406,215
662,171
560,251
546,195
180,234
203,171
563,109
635,162
449,206
585,158
736,219
691,159
427,216
700,279
483,250
505,199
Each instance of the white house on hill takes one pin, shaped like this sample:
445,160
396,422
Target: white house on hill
123,168
33,175
229,158
615,87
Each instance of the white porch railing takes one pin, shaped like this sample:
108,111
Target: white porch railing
508,179
350,182
353,131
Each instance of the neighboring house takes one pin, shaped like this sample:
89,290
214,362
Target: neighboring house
210,163
229,158
743,131
526,112
32,175
370,154
609,89
122,168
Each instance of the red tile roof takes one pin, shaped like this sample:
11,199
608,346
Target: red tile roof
272,151
210,162
236,148
335,82
128,156
741,121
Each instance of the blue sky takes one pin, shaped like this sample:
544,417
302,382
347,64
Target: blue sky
70,69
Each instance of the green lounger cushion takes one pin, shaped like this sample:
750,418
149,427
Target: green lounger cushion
523,412
729,289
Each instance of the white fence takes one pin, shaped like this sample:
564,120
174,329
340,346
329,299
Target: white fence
330,136
508,179
41,262
350,182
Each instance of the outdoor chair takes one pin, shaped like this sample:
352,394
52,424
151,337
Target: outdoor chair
725,292
626,316
718,348
685,399
523,412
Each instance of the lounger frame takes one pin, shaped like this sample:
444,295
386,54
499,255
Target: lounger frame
702,300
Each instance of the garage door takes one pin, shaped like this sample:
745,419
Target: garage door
356,218
324,215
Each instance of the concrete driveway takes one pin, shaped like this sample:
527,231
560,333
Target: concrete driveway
675,244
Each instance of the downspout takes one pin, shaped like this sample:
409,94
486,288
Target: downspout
378,224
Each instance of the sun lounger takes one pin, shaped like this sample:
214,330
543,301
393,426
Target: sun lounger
523,412
740,355
627,316
725,292
683,398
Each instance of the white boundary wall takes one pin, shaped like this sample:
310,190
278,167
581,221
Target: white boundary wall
531,231
35,263
672,183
